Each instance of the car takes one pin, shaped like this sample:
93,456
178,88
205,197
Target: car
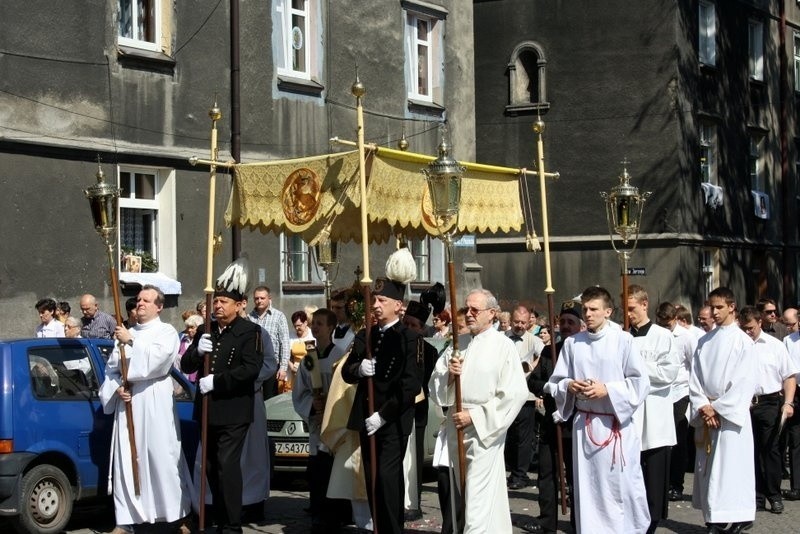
288,434
55,440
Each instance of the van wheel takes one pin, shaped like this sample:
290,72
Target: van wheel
45,501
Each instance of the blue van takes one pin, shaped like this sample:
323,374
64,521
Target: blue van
54,437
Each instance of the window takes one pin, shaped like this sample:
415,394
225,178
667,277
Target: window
297,38
62,373
527,89
710,269
755,163
147,218
296,259
708,164
420,249
424,59
756,42
140,24
707,34
797,61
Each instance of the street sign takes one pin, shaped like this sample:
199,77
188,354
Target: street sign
637,271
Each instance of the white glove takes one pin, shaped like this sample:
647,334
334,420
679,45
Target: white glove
207,384
367,367
205,344
373,423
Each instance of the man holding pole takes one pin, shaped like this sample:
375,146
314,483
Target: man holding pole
164,481
493,392
387,358
235,349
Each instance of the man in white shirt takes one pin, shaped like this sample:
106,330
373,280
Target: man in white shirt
343,333
773,399
521,434
686,344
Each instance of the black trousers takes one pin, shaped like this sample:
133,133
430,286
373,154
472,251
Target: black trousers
419,443
655,470
548,475
390,445
225,443
679,456
327,515
791,439
519,442
765,417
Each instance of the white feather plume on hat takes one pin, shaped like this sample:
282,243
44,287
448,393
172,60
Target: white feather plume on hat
401,267
234,278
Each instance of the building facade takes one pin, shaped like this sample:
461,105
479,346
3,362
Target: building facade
699,98
130,83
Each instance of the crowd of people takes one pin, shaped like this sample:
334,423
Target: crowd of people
509,384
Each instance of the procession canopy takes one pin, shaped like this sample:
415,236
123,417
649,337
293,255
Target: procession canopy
303,196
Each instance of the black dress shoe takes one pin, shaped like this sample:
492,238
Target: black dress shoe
674,495
776,506
412,515
716,528
516,485
761,507
792,495
533,527
738,528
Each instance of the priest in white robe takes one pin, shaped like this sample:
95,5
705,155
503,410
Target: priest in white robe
493,391
721,387
164,481
601,377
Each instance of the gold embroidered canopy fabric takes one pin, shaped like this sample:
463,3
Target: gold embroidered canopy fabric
302,196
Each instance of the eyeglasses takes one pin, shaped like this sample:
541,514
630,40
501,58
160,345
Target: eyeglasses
771,312
475,311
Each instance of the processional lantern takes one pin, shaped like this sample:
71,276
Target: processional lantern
444,176
103,200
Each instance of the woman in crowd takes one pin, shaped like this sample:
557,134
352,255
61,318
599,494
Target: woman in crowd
441,322
297,348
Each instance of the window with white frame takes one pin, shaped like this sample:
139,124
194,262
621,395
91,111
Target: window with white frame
797,61
424,53
755,163
710,268
140,24
420,249
296,259
756,57
708,146
707,33
147,218
297,36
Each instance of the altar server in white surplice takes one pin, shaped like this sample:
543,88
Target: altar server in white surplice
164,480
493,391
602,379
721,387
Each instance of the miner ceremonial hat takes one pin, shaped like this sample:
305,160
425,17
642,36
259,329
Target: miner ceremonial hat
401,269
572,307
418,311
233,281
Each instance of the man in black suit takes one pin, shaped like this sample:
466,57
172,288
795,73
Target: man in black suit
396,381
234,346
570,323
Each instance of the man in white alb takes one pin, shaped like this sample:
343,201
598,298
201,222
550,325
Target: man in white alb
601,377
721,387
493,391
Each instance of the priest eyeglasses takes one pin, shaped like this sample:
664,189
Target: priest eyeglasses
476,311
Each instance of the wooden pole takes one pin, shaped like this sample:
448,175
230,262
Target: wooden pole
123,364
462,453
359,91
538,128
215,115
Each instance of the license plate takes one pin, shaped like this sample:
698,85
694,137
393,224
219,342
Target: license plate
291,449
